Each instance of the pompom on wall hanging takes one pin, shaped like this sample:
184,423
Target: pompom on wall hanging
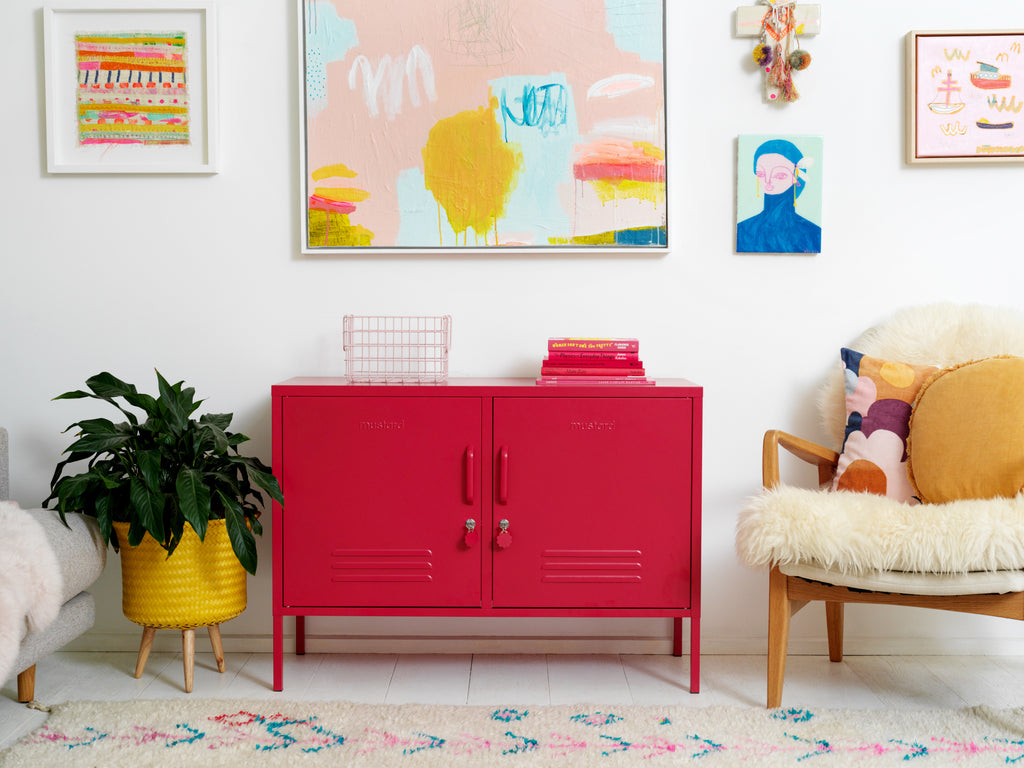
778,25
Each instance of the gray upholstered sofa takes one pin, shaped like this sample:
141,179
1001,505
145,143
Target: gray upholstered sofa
81,557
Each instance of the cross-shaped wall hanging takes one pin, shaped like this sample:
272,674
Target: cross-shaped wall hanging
779,24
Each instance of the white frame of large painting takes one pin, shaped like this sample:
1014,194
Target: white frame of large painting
64,152
382,82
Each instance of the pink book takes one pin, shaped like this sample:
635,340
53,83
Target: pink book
621,380
612,357
566,370
624,381
559,343
589,362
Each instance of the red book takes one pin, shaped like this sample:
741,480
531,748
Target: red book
629,380
581,344
576,355
600,362
575,370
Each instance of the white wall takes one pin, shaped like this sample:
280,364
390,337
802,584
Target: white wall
202,279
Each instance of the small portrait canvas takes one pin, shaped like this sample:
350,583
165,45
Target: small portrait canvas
778,194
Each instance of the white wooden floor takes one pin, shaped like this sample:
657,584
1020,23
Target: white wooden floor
858,682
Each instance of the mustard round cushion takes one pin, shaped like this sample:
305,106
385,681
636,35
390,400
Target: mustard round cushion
967,432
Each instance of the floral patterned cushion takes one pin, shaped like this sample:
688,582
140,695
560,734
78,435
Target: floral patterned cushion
879,396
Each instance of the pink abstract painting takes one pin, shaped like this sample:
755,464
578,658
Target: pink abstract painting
484,123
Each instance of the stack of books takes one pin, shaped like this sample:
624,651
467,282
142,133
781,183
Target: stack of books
576,360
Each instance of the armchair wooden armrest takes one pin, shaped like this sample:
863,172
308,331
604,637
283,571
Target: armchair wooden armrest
824,458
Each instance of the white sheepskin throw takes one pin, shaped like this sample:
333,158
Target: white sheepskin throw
860,532
30,582
934,334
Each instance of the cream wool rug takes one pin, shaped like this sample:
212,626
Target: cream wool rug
205,732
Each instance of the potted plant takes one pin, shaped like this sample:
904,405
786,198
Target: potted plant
175,497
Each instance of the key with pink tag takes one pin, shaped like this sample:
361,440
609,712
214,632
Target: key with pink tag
504,539
471,537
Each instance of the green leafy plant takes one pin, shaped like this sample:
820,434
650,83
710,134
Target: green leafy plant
163,471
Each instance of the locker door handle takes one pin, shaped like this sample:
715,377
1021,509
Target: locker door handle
503,476
470,475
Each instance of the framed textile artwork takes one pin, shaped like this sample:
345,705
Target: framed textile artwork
131,90
962,103
778,194
480,125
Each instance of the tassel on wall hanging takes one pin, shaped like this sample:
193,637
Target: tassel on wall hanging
778,25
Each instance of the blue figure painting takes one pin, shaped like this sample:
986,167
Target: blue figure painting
781,173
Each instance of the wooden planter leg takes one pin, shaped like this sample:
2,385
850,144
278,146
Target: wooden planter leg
218,647
188,652
148,633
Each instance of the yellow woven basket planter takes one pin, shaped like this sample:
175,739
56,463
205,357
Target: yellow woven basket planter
200,585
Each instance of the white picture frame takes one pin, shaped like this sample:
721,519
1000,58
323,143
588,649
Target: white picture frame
391,207
64,153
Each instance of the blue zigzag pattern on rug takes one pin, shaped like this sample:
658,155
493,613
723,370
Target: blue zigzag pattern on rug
263,733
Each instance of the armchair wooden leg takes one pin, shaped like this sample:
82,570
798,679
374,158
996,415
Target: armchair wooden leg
218,646
27,684
148,633
188,652
834,623
779,611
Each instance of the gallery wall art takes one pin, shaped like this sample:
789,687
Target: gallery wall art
965,91
131,89
482,125
778,194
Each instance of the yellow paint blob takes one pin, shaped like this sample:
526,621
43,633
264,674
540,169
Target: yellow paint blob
342,194
338,169
624,189
650,149
335,229
470,170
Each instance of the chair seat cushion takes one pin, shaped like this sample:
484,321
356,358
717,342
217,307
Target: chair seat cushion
861,532
903,583
967,432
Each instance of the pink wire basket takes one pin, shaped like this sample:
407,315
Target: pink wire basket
397,349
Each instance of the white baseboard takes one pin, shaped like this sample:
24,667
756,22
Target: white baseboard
169,641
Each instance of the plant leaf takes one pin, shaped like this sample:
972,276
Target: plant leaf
107,385
104,519
242,541
149,466
148,514
143,401
193,499
73,395
220,420
261,475
98,443
172,404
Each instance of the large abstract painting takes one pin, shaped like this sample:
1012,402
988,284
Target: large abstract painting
483,124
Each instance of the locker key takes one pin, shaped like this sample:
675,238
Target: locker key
504,537
471,537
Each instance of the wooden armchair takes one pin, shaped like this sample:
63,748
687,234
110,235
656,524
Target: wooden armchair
780,528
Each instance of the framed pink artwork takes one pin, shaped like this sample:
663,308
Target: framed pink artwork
482,125
965,91
131,88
